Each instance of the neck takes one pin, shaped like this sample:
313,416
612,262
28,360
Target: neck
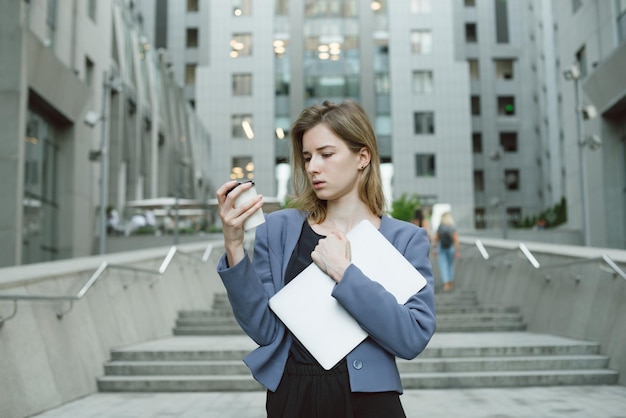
345,216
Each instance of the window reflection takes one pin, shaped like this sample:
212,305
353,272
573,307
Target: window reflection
40,206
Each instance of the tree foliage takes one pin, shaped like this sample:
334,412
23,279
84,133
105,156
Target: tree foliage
404,207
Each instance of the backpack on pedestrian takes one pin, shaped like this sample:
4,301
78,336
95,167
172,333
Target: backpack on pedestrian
445,236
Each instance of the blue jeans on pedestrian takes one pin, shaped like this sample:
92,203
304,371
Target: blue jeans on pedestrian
445,257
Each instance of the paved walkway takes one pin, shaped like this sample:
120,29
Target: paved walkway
536,402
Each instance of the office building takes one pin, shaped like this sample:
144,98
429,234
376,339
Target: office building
259,63
54,58
591,39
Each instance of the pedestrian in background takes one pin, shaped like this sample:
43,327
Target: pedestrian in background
337,184
420,219
446,249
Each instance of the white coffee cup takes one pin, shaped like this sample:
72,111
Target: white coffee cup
257,217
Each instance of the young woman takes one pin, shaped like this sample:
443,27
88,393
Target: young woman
337,184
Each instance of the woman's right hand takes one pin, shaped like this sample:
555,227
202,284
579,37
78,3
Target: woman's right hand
233,217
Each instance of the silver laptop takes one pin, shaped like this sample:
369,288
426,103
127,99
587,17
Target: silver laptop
323,326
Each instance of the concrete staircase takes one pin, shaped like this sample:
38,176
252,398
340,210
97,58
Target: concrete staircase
457,311
475,346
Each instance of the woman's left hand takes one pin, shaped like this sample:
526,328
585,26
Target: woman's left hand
332,255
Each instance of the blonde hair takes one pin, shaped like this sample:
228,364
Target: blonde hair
446,219
350,123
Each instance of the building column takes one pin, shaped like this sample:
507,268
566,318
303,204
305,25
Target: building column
13,99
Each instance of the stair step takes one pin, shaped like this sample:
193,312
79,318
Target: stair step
176,368
495,379
441,327
479,317
409,381
179,355
432,365
480,327
505,363
177,384
441,317
463,351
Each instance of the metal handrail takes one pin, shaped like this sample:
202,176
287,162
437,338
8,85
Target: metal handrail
93,279
615,269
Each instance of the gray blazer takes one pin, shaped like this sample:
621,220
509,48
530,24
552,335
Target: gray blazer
394,330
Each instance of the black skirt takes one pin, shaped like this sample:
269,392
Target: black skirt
309,391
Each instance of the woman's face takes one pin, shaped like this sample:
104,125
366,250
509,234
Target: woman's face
332,169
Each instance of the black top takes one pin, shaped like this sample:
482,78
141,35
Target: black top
301,259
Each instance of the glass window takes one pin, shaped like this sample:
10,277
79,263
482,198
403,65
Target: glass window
332,86
425,165
40,202
190,74
506,105
242,168
479,181
477,143
581,59
471,33
89,72
621,19
479,218
382,125
382,84
421,6
379,6
513,216
421,41
502,21
91,9
282,125
475,105
51,14
280,47
282,84
241,126
474,69
424,122
241,45
330,8
422,82
282,7
511,179
192,38
508,141
51,22
192,5
242,84
242,7
504,69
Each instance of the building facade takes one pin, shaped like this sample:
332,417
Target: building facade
517,166
55,56
259,63
591,39
420,68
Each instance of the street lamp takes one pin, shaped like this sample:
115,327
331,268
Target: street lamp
593,142
92,119
498,155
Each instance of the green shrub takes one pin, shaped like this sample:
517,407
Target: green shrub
404,207
553,216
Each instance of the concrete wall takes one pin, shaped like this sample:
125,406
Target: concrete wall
46,362
579,300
